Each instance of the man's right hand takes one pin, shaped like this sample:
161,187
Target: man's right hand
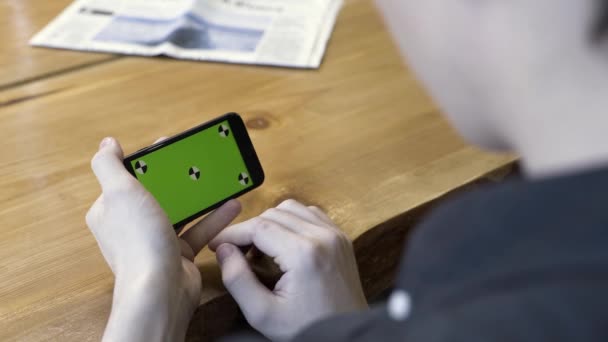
320,276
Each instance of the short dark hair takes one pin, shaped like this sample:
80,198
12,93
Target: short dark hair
600,28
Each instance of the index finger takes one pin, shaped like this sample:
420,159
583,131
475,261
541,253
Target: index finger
199,235
270,237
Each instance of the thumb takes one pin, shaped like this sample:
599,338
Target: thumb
201,233
254,299
107,164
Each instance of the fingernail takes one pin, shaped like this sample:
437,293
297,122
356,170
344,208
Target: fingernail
105,142
224,251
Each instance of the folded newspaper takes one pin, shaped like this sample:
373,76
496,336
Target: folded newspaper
289,33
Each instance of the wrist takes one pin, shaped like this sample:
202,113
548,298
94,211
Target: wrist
148,307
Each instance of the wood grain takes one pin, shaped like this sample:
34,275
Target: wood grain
19,62
358,137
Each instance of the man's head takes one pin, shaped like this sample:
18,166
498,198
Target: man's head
484,60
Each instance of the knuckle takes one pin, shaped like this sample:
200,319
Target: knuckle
333,240
337,238
288,203
231,277
97,159
313,255
261,224
317,255
311,248
272,212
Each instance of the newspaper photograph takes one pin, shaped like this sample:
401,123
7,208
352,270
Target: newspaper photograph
287,33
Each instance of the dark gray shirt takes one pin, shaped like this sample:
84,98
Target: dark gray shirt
521,261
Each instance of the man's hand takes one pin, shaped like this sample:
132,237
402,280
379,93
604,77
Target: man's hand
157,285
320,273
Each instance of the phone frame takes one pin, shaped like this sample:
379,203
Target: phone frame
239,131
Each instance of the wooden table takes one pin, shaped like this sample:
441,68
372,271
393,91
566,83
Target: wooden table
358,137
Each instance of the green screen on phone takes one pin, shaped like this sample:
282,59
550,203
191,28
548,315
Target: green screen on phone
194,173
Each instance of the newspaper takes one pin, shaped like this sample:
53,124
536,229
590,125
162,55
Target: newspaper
288,33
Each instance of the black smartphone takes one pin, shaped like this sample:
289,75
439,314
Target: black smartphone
196,171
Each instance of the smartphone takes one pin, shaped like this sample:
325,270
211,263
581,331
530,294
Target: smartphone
194,172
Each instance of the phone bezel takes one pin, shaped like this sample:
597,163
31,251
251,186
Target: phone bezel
243,141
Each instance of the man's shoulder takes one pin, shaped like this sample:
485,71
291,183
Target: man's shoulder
518,204
518,227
